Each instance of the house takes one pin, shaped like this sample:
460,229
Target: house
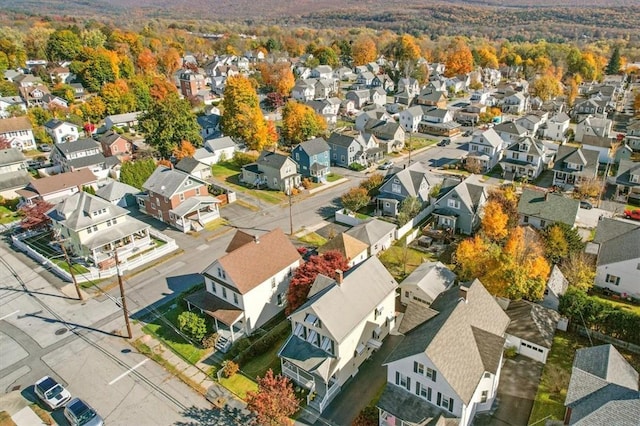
191,83
531,329
574,165
433,98
61,131
480,97
344,320
353,251
413,181
79,93
247,286
410,118
324,88
343,73
210,125
390,135
426,283
359,97
447,367
627,181
304,90
486,148
438,121
18,132
632,138
194,167
94,228
379,114
9,103
118,193
83,153
603,389
313,158
178,199
35,95
114,145
13,172
12,160
531,122
516,103
216,150
322,72
378,96
510,132
122,121
60,75
592,126
383,81
328,110
556,286
274,170
56,187
409,85
459,205
556,127
589,107
365,79
541,209
377,234
618,257
354,147
526,158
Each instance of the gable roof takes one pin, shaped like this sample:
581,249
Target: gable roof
464,340
588,158
256,261
557,283
347,245
76,212
489,136
625,169
410,178
54,123
11,156
15,124
109,137
432,278
80,145
167,182
313,146
548,206
618,249
272,159
609,228
532,322
115,190
469,192
341,140
239,239
189,164
511,128
372,231
55,183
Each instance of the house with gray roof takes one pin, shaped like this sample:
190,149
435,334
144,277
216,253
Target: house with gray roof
573,166
447,366
359,97
377,114
426,283
118,193
486,147
531,329
632,138
80,154
525,158
377,234
510,131
413,181
459,205
122,121
273,170
194,168
390,135
348,147
61,131
627,181
13,172
603,389
556,286
541,209
556,127
209,126
216,150
344,320
313,158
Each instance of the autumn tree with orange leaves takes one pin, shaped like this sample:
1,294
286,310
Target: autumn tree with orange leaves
300,123
459,59
278,77
494,221
364,50
147,62
274,401
183,149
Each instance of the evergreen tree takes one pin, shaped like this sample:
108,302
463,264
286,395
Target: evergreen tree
613,67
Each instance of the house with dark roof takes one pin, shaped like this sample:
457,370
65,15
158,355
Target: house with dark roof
247,286
273,170
61,131
344,320
81,154
313,158
55,187
426,283
531,329
376,234
390,135
510,131
632,138
627,181
458,209
348,147
541,209
352,250
603,389
13,172
447,366
573,166
525,158
486,147
194,167
413,181
115,145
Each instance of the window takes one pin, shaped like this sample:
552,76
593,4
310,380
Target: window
418,368
487,375
109,222
395,188
197,191
474,147
455,204
300,331
235,298
280,299
484,396
181,196
529,158
612,279
423,391
525,219
431,374
515,155
213,288
273,282
224,292
403,381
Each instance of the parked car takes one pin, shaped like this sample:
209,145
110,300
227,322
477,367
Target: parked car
584,204
632,214
444,142
79,413
468,133
51,392
386,165
44,147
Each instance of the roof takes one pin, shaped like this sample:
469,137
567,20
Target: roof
463,341
91,160
603,388
11,156
115,190
192,204
588,158
548,206
469,191
308,357
621,248
272,159
532,322
557,283
625,169
188,165
609,228
14,124
54,123
167,182
511,128
78,211
348,246
314,146
208,121
55,183
413,409
219,143
109,137
372,231
124,118
214,306
84,144
560,117
341,140
341,307
255,262
432,278
239,239
14,180
411,179
489,136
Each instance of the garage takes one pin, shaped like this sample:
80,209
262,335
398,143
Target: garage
531,329
534,352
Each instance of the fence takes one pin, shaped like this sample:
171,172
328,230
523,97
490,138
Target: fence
404,229
608,339
347,219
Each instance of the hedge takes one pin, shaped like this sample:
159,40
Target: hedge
263,344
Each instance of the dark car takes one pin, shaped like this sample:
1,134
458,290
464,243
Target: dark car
468,133
79,413
444,142
586,205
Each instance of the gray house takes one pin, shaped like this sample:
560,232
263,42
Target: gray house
377,234
414,181
458,208
273,170
627,181
540,209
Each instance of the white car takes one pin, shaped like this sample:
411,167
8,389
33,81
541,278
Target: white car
51,392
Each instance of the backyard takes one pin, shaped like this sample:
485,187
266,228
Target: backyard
8,216
395,257
230,173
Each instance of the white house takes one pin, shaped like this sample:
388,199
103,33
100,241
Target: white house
486,147
448,364
19,132
377,234
304,90
556,127
7,102
526,158
353,250
121,121
410,118
248,285
61,131
426,283
344,320
592,126
216,150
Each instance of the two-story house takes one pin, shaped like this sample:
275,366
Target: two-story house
515,103
13,172
344,320
273,170
627,181
314,159
354,147
359,97
247,286
589,107
510,132
304,90
411,117
447,367
390,135
365,79
486,147
61,131
541,209
81,154
378,114
459,205
433,98
593,126
93,228
632,138
526,158
531,122
322,72
178,199
413,181
114,145
573,166
216,150
56,187
556,127
18,132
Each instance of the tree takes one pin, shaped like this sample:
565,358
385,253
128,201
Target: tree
636,103
525,269
147,62
169,121
354,199
579,270
7,88
4,142
572,91
364,50
135,173
325,264
278,77
409,208
192,325
274,401
93,110
372,183
613,67
507,197
404,48
183,149
64,91
169,61
274,100
547,87
474,256
589,188
242,116
561,240
487,57
459,59
34,215
473,165
326,56
117,97
300,123
63,45
494,221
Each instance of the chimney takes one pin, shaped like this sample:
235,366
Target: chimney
256,239
339,276
462,292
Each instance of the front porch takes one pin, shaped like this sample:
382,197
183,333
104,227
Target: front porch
194,213
320,393
127,238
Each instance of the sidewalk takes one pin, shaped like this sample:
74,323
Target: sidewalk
14,404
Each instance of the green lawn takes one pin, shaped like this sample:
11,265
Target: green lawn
224,170
625,306
393,260
259,365
168,334
230,173
239,385
8,216
313,239
332,177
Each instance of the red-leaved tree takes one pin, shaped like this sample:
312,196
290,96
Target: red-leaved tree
34,215
4,143
305,275
275,400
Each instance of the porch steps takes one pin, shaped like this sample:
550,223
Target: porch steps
222,344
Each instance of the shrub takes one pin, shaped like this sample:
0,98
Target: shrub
238,347
229,368
372,182
263,344
241,159
367,417
209,341
510,351
192,324
356,167
306,183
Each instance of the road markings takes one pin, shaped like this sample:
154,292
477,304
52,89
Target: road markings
8,315
128,371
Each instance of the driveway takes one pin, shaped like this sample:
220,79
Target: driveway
519,381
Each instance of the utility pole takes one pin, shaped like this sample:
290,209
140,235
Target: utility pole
290,211
123,300
73,275
409,147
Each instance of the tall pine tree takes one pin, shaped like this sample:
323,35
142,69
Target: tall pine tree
613,67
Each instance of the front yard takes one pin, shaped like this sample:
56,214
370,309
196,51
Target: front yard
40,243
230,174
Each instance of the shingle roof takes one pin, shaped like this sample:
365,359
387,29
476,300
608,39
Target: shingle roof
54,123
220,143
115,190
511,128
588,158
340,140
620,248
413,409
372,231
272,159
167,182
611,228
92,160
625,169
11,156
109,137
314,146
548,206
239,239
255,262
432,278
13,180
188,164
453,339
77,211
14,124
62,181
557,283
532,322
77,146
348,246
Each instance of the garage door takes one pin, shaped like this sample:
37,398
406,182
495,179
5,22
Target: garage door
533,351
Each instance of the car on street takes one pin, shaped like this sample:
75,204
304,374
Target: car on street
468,133
584,204
79,413
444,142
386,165
632,214
51,392
44,147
